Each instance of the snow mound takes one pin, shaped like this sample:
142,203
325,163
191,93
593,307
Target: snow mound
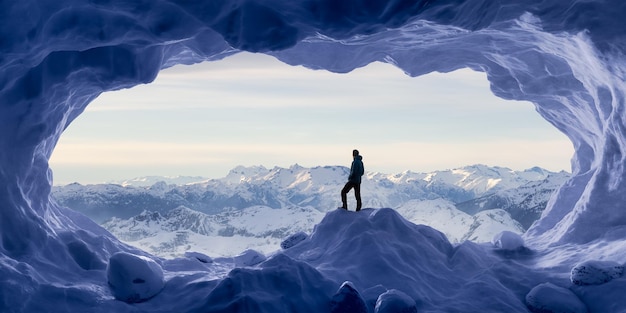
508,240
394,301
249,257
596,272
134,278
549,298
293,240
377,250
347,299
280,284
199,256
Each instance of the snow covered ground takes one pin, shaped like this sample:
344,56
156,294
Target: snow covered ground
387,260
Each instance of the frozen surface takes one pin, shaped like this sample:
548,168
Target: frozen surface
596,272
507,240
394,301
567,57
550,298
134,278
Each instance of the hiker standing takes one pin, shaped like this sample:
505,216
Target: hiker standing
354,181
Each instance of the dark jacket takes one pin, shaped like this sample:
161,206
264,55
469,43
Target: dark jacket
356,170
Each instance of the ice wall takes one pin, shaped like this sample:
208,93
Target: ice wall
567,57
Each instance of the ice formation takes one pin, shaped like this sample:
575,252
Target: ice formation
566,57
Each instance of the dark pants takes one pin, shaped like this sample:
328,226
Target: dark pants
357,194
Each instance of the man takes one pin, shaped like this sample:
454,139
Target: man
354,181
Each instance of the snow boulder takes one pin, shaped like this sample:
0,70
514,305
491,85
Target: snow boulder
249,258
595,272
293,240
199,256
549,298
508,240
395,301
134,278
347,299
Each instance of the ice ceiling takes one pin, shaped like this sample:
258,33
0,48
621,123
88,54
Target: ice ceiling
567,57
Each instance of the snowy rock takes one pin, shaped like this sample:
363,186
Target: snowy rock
347,299
596,272
549,298
199,256
507,240
293,240
249,258
133,278
395,301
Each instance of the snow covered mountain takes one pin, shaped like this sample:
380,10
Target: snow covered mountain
298,186
256,207
262,228
148,181
524,203
181,230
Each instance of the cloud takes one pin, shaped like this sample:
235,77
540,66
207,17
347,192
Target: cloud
386,157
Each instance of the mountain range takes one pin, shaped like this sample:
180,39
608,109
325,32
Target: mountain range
256,207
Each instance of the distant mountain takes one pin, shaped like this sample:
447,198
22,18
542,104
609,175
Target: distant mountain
524,203
262,228
256,207
228,233
316,187
459,226
148,181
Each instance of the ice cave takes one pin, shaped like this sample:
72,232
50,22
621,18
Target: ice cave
565,56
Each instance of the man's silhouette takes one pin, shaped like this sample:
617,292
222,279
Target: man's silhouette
354,181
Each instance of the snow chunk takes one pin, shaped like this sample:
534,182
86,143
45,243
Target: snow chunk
280,284
395,301
293,240
596,272
508,240
347,299
549,298
134,278
199,256
249,257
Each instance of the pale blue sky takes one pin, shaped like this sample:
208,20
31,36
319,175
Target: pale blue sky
250,109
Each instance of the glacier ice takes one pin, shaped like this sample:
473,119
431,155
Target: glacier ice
566,57
134,278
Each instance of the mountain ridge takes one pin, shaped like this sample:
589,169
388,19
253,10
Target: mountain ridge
260,206
299,186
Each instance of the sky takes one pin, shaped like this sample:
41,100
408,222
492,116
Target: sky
251,109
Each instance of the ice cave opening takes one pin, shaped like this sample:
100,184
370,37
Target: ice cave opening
250,109
55,58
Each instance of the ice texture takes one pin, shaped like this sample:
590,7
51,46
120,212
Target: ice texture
507,240
550,298
347,299
134,278
567,57
596,272
395,301
293,240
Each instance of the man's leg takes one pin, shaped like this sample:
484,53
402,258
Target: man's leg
344,193
357,195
